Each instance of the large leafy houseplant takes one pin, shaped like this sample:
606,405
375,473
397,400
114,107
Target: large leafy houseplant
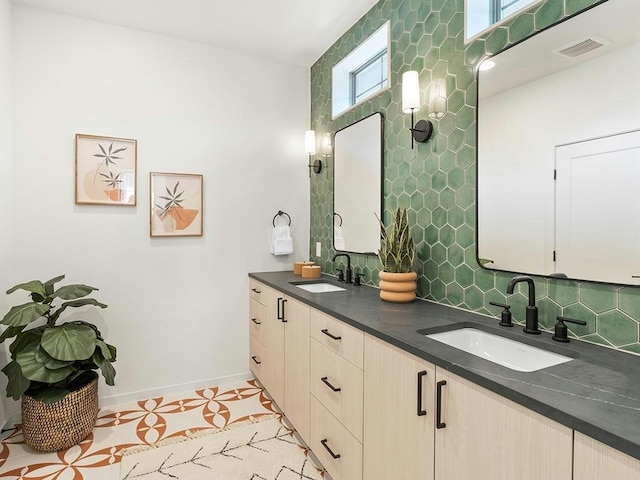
50,359
397,249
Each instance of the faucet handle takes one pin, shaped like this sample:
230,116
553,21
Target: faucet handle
560,334
357,282
505,320
340,274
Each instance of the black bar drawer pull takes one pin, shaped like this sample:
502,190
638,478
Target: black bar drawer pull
326,382
255,320
255,290
439,422
421,411
255,359
324,444
328,334
284,313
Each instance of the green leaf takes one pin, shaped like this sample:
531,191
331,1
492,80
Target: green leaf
36,371
26,340
34,286
51,363
106,352
114,352
108,372
50,394
69,341
21,315
71,292
18,383
10,332
48,285
76,303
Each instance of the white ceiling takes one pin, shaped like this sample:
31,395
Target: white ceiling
291,31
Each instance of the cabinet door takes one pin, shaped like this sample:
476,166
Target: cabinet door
273,336
595,461
338,451
256,358
487,437
398,438
296,365
337,384
256,319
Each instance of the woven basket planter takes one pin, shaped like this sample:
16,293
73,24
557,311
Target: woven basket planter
50,427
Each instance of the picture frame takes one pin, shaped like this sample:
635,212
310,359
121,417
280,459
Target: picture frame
105,170
176,204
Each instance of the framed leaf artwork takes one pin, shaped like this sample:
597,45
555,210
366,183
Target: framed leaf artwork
175,204
106,170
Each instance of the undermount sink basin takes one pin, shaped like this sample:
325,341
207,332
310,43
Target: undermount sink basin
503,351
319,287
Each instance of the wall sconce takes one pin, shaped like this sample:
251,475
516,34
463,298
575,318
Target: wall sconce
422,130
327,145
437,103
310,149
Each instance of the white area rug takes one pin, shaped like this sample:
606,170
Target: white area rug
252,451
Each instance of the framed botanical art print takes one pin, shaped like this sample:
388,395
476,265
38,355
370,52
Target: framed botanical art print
106,170
176,204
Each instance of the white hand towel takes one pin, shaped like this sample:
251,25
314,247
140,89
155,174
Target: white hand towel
338,239
281,241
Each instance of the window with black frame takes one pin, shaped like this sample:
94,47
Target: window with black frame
482,14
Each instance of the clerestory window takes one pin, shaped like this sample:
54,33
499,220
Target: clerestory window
361,74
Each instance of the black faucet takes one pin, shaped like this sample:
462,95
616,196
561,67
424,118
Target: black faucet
531,321
348,272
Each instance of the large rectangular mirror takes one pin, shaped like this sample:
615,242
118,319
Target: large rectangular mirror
357,182
559,150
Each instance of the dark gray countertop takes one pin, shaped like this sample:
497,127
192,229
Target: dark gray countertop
598,393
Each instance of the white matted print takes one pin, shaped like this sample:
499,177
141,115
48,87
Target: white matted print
176,204
105,170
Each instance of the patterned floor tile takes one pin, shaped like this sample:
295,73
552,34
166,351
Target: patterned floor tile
143,423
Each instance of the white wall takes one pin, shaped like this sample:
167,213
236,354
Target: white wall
5,177
518,132
178,307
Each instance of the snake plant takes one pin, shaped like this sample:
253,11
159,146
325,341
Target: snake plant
397,249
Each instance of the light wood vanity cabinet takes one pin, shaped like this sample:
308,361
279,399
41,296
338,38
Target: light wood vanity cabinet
486,436
479,434
336,396
279,351
398,413
595,461
369,410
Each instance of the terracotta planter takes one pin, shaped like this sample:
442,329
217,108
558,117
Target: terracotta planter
50,427
398,287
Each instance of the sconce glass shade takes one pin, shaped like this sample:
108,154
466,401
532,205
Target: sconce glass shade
437,103
310,142
410,92
326,147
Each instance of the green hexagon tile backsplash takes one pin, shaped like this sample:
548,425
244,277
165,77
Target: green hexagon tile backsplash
436,180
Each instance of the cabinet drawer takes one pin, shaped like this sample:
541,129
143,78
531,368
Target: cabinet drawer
343,339
338,385
256,358
256,290
328,434
257,319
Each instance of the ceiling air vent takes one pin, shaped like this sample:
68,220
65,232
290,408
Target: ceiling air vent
580,47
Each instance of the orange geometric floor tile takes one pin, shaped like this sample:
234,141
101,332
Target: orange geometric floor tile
145,423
